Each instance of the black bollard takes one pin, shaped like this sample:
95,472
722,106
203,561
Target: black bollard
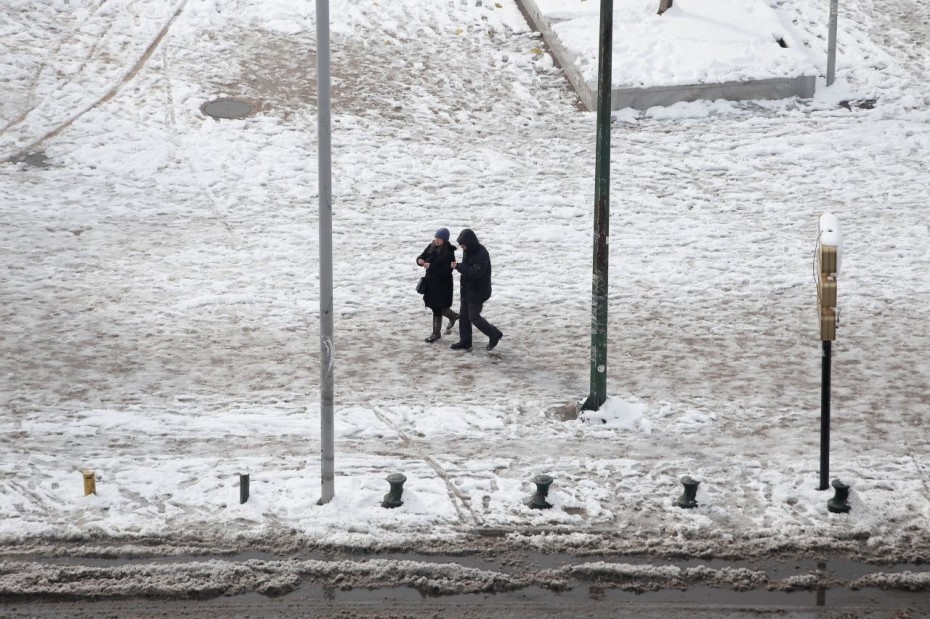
838,504
687,500
392,498
538,500
243,487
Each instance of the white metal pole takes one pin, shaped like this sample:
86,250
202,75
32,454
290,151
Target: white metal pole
327,356
831,43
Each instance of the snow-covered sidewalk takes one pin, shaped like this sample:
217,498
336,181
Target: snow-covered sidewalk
159,301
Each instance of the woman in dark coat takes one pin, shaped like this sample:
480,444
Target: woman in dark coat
437,259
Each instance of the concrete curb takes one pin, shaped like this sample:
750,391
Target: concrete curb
643,98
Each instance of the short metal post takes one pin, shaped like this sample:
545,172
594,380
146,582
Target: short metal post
90,482
538,500
243,487
392,498
688,498
839,503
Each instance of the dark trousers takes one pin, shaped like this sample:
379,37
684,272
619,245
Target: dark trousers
470,314
447,312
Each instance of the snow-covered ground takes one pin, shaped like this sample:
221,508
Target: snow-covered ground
159,297
711,41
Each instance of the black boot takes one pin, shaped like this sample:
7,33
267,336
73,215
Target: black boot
437,325
452,316
494,339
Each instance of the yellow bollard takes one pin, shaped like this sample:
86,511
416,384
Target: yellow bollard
90,482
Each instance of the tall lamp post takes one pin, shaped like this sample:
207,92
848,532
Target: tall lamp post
325,181
598,392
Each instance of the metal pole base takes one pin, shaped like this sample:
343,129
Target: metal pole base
392,498
839,503
688,498
538,500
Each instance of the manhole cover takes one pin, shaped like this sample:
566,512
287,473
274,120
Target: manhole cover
226,108
36,160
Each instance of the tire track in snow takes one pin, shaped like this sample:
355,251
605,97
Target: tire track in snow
175,138
143,59
53,53
455,494
217,204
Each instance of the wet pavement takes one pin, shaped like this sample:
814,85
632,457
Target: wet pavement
509,584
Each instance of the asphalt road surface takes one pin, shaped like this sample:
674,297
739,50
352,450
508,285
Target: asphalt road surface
506,584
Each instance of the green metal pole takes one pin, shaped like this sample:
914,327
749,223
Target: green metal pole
598,393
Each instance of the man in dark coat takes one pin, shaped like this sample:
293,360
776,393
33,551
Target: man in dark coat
474,290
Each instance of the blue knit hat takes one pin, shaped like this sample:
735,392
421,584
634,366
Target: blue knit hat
442,233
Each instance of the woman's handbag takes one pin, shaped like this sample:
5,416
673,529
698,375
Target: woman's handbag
421,287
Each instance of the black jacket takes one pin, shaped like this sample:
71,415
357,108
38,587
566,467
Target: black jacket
475,268
439,275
